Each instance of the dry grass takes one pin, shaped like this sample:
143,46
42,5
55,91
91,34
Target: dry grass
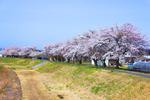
31,86
34,89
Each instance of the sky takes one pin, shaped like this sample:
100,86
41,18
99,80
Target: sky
42,22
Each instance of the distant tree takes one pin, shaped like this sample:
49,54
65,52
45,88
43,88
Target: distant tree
19,52
26,51
11,52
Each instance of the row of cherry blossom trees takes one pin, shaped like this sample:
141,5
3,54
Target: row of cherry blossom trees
115,42
26,52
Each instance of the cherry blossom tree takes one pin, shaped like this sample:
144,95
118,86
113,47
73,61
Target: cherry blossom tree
21,52
11,52
124,39
55,52
26,51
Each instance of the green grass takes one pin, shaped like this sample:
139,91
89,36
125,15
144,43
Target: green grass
19,63
55,66
97,81
106,87
81,75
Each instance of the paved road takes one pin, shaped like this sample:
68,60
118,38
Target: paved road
145,75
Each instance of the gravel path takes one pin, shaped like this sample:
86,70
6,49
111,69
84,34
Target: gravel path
38,65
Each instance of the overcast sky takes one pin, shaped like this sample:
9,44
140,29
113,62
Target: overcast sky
40,22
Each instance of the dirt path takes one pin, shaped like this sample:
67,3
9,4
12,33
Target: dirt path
10,87
32,87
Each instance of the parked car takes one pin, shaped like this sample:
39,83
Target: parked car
140,66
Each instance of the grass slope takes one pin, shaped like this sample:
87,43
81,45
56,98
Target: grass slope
89,82
19,63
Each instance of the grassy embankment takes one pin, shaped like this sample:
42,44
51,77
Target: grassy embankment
87,82
19,63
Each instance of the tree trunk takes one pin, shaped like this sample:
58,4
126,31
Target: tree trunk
68,60
80,61
104,64
95,62
117,63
